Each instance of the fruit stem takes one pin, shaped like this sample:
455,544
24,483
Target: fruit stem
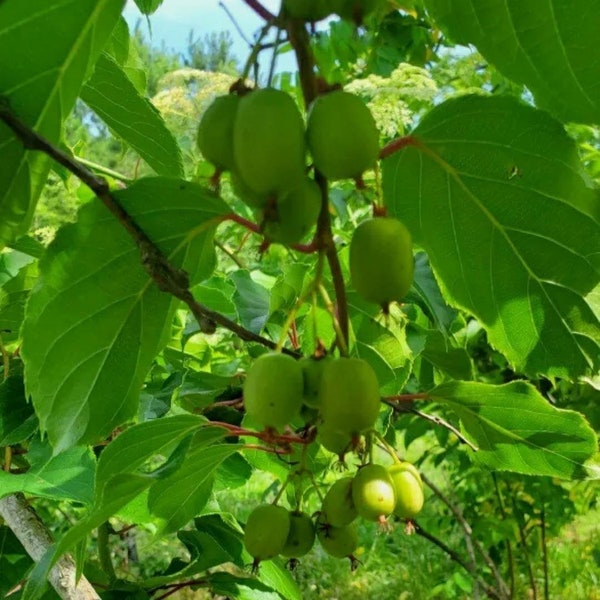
341,336
387,447
241,221
281,490
314,285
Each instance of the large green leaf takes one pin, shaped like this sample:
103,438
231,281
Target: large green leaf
119,484
95,321
493,190
47,48
67,476
133,118
381,341
148,6
132,448
516,429
13,295
551,46
178,498
17,419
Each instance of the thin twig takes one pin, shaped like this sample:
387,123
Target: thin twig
238,261
433,419
509,552
235,24
524,548
167,277
545,554
473,542
489,590
260,10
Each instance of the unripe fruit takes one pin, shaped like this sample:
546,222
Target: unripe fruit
337,442
381,260
296,214
373,492
409,490
268,142
215,132
273,390
338,507
301,537
349,396
338,541
312,369
266,531
247,195
308,10
342,136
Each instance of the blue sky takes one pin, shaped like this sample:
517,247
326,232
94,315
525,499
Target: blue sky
172,22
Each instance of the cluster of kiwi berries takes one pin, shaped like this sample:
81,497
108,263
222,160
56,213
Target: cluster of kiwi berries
259,136
344,392
261,139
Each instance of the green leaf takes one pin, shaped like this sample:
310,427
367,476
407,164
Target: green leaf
147,7
121,487
13,296
178,498
67,476
56,42
118,45
14,561
551,46
251,300
493,190
28,245
516,429
449,359
93,326
133,118
200,389
216,539
426,293
132,448
234,472
17,419
383,345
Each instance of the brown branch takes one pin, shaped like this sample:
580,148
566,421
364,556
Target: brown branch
260,10
300,41
24,522
167,277
437,420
